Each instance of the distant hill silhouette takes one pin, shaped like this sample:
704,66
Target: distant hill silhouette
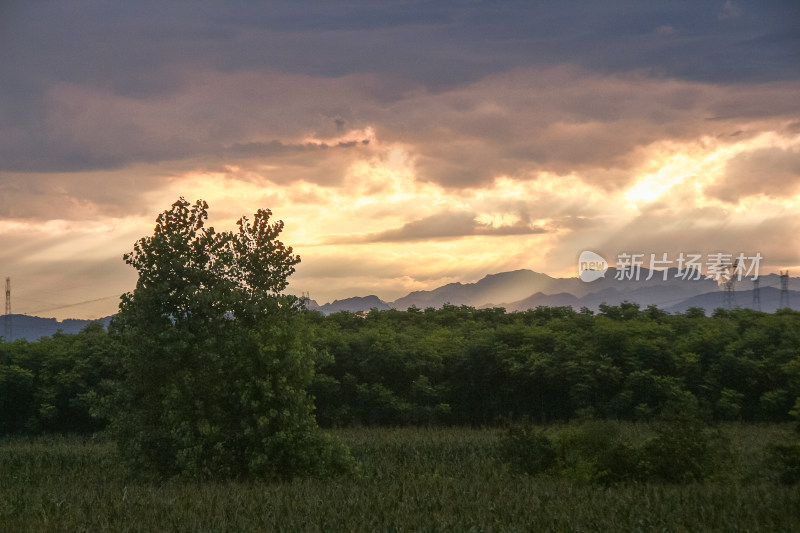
354,304
769,296
525,289
540,299
492,289
34,328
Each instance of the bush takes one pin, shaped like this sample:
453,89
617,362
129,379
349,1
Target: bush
529,449
683,450
17,404
784,459
591,452
596,452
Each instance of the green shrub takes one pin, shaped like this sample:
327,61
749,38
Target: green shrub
17,402
784,460
683,450
795,412
592,452
529,449
596,452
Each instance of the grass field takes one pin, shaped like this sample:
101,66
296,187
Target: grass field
410,480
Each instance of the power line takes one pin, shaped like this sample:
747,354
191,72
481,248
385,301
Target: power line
7,332
74,305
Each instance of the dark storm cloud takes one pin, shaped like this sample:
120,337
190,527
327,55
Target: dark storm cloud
436,42
564,120
442,226
131,56
277,148
134,46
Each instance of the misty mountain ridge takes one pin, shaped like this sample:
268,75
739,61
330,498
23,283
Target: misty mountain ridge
769,300
524,289
353,305
33,328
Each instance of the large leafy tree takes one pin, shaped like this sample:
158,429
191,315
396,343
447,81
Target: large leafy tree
215,361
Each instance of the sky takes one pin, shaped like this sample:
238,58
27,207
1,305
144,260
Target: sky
405,145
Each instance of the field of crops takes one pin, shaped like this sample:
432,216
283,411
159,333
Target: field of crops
409,480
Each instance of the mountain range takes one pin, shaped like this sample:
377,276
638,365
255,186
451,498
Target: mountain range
525,289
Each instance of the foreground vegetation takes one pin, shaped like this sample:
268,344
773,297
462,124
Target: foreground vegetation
409,479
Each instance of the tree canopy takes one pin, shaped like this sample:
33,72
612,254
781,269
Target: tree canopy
215,361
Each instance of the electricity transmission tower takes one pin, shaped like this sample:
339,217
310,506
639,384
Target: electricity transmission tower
730,284
784,290
756,295
7,319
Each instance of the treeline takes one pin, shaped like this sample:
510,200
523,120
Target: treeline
48,386
460,365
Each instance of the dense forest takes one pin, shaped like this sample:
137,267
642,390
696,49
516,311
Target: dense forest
467,366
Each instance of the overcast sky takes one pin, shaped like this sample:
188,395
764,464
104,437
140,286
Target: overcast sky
405,145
